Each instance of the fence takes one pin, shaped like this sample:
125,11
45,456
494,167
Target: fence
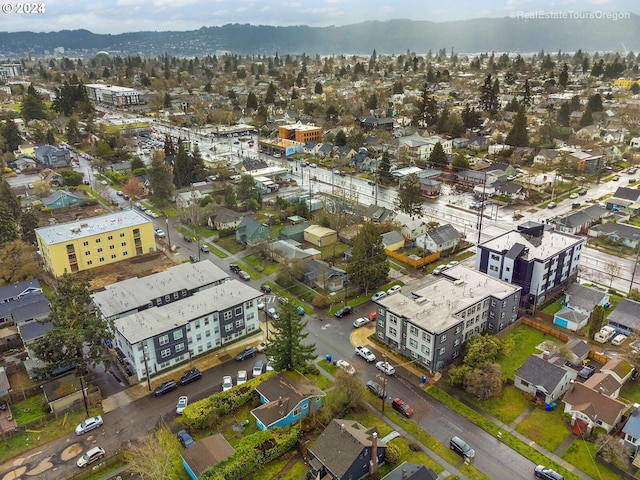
415,263
548,330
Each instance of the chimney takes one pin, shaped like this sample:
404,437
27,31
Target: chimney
373,465
546,355
280,401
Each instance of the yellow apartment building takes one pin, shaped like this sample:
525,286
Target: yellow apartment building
92,242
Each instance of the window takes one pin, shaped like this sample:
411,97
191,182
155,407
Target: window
443,338
163,340
87,253
179,347
85,244
165,353
89,262
426,350
458,328
125,253
121,234
524,383
167,298
207,333
228,327
381,322
393,319
101,259
110,237
113,256
98,240
492,314
441,351
413,343
239,323
100,250
493,303
227,315
393,331
456,342
426,337
198,337
112,247
413,330
238,311
455,354
493,268
502,315
490,325
177,335
206,321
123,244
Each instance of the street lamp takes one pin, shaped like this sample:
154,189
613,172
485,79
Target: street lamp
166,219
384,384
635,265
146,365
266,316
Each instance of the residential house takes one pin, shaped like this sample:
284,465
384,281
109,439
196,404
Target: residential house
579,302
25,163
411,228
286,251
624,199
479,143
28,149
320,236
628,235
5,386
631,430
323,150
62,199
378,214
581,221
224,218
373,123
430,324
411,471
620,368
51,178
51,156
589,408
438,239
634,142
605,383
250,231
295,231
63,393
173,333
346,450
515,191
587,162
578,351
186,199
319,274
545,377
546,156
285,399
393,240
430,187
624,317
13,293
205,453
535,257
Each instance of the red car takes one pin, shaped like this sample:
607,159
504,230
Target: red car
402,407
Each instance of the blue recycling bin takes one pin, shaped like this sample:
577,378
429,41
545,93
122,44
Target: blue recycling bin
424,379
327,357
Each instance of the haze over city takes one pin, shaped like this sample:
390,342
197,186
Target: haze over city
120,16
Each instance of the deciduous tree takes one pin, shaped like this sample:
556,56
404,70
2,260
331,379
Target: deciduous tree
17,262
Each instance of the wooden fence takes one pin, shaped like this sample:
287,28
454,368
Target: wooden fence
415,263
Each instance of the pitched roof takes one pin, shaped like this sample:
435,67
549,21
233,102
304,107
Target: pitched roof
584,297
593,404
626,314
571,315
443,234
55,196
604,383
18,289
341,444
206,453
622,230
248,226
579,347
411,471
392,237
619,367
225,215
541,373
627,193
632,427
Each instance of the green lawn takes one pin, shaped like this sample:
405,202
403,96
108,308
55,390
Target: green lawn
229,244
266,267
554,307
547,429
28,410
507,407
216,251
582,454
631,391
525,341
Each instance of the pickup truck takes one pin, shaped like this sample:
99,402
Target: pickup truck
365,353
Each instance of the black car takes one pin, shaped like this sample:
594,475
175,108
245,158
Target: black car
461,447
582,192
190,376
187,238
166,387
248,352
546,473
346,310
265,288
234,268
375,388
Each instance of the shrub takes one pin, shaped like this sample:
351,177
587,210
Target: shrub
320,301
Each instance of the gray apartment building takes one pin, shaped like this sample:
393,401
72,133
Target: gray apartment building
536,257
431,323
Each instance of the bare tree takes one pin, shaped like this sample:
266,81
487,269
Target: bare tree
612,449
612,269
151,458
352,390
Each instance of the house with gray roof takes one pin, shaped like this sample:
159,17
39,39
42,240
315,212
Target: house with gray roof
579,351
62,199
223,218
625,199
629,235
52,156
631,430
582,298
570,319
543,378
250,231
346,450
285,251
515,191
319,274
624,317
378,214
411,471
439,239
580,221
392,240
295,231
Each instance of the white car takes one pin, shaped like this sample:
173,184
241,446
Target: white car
160,233
386,368
183,401
242,377
573,195
227,383
92,455
360,322
365,353
260,305
439,269
312,165
452,264
88,425
377,296
346,366
104,182
394,289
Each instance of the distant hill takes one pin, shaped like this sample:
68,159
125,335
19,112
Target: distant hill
393,36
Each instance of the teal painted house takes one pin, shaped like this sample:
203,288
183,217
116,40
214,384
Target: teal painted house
62,199
251,231
286,398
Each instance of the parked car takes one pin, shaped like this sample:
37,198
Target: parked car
204,248
191,376
551,205
301,310
452,264
193,258
378,295
185,439
265,288
402,407
89,424
365,353
343,311
227,383
160,233
386,368
375,388
244,275
360,322
346,366
273,314
372,316
187,238
575,205
183,401
94,454
439,269
461,447
262,346
247,352
257,368
573,195
394,289
260,304
234,268
242,377
587,371
166,387
546,473
582,192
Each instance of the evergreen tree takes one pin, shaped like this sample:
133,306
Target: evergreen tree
230,200
10,200
587,118
288,349
72,132
341,139
169,148
247,188
182,167
252,100
526,94
564,114
12,136
563,78
443,120
595,103
32,107
438,157
427,109
518,136
384,169
409,199
369,266
596,320
471,118
160,178
318,89
50,137
8,227
372,102
488,96
77,334
270,96
459,163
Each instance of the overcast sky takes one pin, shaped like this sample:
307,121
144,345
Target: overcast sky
118,16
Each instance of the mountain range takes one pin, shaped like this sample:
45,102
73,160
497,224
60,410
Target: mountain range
394,36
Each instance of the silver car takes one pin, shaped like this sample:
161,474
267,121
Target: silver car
89,424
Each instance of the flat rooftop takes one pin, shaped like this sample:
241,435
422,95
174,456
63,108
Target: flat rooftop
132,293
148,323
87,227
115,88
551,243
435,305
300,127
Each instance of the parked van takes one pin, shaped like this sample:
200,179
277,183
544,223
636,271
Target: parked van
618,340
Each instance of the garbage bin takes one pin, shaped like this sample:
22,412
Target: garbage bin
424,379
327,358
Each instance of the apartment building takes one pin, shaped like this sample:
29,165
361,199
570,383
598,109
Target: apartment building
173,284
429,322
535,257
112,94
92,242
162,337
301,133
